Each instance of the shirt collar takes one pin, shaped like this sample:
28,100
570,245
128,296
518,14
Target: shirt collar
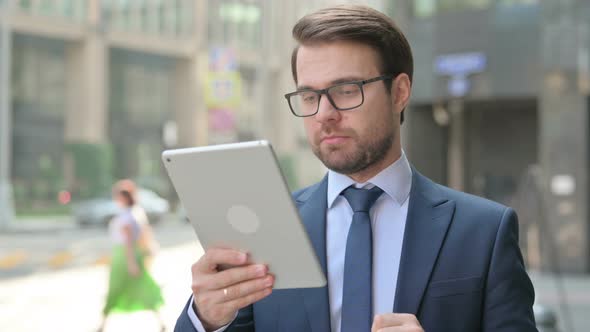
395,180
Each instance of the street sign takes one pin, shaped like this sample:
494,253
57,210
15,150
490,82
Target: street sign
223,90
458,66
221,120
460,63
222,59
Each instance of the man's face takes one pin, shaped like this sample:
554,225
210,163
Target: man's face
351,141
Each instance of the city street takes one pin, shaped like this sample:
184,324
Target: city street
488,98
54,279
66,289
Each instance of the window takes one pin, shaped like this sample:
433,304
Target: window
236,23
517,2
424,8
157,17
38,75
71,9
456,5
428,8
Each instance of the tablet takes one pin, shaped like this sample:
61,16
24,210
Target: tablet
235,196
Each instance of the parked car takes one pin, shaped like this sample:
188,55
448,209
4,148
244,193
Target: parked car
99,211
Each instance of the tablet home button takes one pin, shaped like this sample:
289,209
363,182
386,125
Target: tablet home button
243,219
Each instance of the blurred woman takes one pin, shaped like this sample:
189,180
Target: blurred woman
131,287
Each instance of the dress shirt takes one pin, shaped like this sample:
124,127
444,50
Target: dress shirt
388,222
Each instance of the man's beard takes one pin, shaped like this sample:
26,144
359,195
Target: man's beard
365,154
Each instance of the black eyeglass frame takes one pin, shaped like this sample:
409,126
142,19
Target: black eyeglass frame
321,92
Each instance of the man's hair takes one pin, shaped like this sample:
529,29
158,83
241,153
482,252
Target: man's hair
360,24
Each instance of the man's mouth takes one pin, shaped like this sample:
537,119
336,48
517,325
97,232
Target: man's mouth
333,139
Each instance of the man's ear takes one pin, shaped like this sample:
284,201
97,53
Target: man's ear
401,90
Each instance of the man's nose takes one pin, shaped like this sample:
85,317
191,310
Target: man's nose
326,111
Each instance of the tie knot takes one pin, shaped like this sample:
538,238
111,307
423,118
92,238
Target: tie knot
361,200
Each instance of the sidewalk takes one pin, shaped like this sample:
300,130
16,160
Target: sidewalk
573,304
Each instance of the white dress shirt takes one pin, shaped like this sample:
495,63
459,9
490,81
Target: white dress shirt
388,221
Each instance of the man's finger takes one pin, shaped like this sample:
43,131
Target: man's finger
217,256
237,275
402,328
244,301
393,319
246,288
385,320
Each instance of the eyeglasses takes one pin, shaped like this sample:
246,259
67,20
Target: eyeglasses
343,96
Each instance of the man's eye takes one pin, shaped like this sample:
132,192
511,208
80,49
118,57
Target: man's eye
309,97
347,90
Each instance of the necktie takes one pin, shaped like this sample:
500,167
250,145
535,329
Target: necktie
357,304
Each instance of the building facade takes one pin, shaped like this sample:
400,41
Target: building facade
96,89
91,83
502,89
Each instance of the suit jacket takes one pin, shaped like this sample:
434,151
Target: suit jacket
461,268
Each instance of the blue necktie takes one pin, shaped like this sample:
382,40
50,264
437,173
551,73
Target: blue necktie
357,303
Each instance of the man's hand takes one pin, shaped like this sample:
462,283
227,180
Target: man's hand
218,295
396,323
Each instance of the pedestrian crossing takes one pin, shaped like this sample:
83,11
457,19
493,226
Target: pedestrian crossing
25,261
13,259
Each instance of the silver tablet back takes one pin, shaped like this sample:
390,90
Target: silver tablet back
235,196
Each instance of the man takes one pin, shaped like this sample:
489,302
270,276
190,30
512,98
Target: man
415,256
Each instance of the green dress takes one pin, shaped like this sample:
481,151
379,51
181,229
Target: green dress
127,293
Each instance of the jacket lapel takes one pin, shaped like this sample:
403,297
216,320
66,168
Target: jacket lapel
429,217
312,206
